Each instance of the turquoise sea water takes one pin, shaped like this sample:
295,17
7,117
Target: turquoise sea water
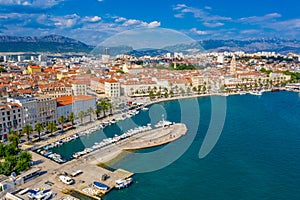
256,157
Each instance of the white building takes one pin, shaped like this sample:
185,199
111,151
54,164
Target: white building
36,109
79,89
68,104
29,108
112,88
11,118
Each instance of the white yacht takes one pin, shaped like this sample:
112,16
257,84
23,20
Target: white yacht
65,179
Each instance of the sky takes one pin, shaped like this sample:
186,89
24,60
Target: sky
93,21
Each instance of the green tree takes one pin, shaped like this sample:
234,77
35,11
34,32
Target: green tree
14,138
90,112
27,130
61,119
81,116
71,118
97,112
51,127
39,128
151,95
104,106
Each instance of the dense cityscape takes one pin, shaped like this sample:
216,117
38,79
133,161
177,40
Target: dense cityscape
108,100
44,96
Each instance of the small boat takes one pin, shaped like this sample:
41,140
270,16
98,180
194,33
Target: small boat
256,93
78,172
67,180
123,183
100,186
40,194
145,108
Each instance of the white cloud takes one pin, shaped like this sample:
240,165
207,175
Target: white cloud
260,19
213,25
66,21
179,6
198,32
130,22
154,24
120,19
92,19
203,15
32,3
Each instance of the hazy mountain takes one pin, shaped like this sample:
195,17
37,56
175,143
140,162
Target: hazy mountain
60,44
248,46
51,43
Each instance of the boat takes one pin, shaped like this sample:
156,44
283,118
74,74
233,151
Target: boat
78,172
40,194
123,183
163,123
256,93
145,108
65,179
100,186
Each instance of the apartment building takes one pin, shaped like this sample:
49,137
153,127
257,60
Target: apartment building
36,109
112,88
68,104
11,118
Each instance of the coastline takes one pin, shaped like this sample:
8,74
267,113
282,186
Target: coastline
95,123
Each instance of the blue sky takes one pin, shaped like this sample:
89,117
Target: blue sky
92,21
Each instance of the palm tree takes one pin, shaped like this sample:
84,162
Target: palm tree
51,127
61,119
90,111
71,118
97,112
27,130
81,116
104,106
14,138
39,128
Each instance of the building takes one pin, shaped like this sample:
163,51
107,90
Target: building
79,88
11,118
233,65
112,88
68,104
34,69
97,85
36,109
46,109
29,108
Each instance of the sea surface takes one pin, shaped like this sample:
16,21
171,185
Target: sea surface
257,155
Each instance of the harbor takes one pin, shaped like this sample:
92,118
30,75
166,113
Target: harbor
85,175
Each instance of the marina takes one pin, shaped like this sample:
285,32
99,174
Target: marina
77,175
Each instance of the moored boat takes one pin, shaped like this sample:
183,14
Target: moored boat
100,186
123,183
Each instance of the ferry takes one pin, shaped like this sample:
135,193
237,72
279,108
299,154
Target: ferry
100,186
123,183
65,179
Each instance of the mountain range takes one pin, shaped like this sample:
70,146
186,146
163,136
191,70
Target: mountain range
61,44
